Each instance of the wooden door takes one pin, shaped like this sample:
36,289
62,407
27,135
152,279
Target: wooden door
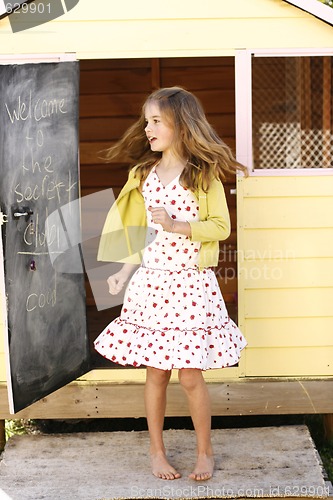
46,343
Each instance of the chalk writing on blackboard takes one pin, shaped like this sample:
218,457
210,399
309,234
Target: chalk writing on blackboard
41,108
48,344
42,298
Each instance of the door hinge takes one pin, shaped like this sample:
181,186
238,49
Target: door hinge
3,218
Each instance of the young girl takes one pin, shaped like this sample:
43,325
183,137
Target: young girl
173,313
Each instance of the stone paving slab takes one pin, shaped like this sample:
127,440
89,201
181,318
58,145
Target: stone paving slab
257,462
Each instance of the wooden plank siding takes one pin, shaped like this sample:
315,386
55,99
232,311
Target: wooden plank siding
111,95
243,397
285,275
126,29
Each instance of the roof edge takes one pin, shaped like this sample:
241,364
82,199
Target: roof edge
316,8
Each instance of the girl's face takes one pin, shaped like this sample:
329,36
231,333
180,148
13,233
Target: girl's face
159,133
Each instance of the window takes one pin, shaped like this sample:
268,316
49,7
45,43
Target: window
292,112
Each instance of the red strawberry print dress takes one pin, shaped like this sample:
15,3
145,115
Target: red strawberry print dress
173,315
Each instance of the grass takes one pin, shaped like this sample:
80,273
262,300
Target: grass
19,427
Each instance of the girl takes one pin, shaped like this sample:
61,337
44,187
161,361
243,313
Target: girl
173,313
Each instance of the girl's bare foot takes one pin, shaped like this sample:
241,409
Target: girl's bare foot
161,467
204,468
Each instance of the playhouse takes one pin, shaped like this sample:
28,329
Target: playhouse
264,72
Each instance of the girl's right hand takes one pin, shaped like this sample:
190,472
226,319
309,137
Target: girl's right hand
116,282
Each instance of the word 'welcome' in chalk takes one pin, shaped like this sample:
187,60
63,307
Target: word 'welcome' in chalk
37,110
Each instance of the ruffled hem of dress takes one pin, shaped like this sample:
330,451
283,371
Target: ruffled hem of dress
128,344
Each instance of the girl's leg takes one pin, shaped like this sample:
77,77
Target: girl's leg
196,390
155,403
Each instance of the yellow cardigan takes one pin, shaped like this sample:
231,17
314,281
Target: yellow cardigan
124,233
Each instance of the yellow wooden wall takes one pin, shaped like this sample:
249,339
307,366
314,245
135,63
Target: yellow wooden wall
106,29
285,259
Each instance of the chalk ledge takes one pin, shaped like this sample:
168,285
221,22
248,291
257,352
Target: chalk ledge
267,462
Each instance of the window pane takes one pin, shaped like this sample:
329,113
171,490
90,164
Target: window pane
292,112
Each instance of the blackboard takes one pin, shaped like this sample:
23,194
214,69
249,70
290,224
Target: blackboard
47,335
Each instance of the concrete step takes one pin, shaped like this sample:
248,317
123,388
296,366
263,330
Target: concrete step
259,462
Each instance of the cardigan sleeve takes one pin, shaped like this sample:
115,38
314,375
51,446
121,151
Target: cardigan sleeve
124,233
215,226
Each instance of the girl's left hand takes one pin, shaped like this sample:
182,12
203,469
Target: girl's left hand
161,216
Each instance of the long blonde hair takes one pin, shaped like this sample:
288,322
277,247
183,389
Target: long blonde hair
195,140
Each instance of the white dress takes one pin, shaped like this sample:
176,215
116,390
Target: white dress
173,315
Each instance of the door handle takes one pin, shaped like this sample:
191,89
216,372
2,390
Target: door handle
23,212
